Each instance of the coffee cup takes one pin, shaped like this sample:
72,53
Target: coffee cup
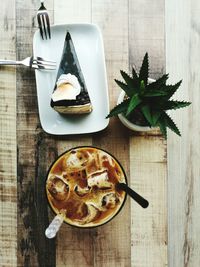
86,187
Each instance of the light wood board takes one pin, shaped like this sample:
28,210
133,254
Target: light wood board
148,167
182,62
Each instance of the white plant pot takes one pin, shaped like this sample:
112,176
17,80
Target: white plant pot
129,124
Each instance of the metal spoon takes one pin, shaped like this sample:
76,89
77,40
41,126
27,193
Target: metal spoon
55,225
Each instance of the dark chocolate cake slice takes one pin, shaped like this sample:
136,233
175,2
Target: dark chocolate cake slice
70,94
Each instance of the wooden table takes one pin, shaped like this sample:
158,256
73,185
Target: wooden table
170,32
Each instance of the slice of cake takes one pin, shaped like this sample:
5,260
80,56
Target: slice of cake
70,94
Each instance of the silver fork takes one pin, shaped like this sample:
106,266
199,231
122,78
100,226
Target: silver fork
35,63
43,21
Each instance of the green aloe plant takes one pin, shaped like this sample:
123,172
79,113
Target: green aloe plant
146,103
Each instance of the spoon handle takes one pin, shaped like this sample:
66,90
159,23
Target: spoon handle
139,199
54,227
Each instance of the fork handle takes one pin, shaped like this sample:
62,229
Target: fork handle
9,62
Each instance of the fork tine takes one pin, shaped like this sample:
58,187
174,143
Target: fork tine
48,25
42,67
45,63
44,60
40,26
44,25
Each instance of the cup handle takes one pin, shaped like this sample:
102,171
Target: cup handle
54,226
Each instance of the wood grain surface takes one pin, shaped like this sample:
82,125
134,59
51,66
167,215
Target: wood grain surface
183,60
149,227
148,153
36,150
74,247
136,237
114,139
8,184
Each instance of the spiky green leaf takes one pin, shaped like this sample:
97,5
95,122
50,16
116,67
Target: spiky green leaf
134,102
163,128
153,93
128,79
170,123
125,87
142,87
132,83
120,108
134,74
172,104
171,89
155,115
144,70
158,83
147,113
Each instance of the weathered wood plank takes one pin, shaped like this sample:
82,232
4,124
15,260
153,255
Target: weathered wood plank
146,34
8,185
112,243
148,177
183,59
148,152
35,152
77,11
74,246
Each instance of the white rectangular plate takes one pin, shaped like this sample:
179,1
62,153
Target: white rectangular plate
88,44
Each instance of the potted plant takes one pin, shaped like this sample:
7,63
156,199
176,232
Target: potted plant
143,103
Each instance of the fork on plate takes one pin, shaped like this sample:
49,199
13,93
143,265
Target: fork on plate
35,63
43,21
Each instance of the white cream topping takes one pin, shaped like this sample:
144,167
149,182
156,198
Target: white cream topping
99,180
68,88
73,161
